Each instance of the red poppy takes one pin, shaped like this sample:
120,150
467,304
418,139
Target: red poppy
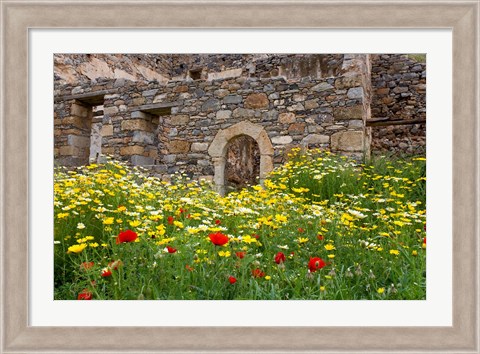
257,273
183,210
85,295
217,222
279,258
232,280
189,268
300,230
256,236
170,220
126,236
425,240
86,265
106,272
315,264
320,237
240,254
171,249
218,239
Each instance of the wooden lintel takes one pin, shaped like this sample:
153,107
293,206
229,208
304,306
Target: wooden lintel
382,123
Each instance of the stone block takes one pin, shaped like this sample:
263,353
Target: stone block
221,93
181,88
298,97
70,151
311,104
180,119
226,74
76,121
178,146
138,101
78,141
224,114
196,147
383,91
134,124
296,128
79,110
347,141
315,139
286,118
169,158
356,123
232,99
140,160
355,92
149,93
345,113
400,89
282,140
257,101
110,111
323,86
131,150
243,113
348,82
143,137
211,105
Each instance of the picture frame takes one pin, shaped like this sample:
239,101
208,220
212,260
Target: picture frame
20,16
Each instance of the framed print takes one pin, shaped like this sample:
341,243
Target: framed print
445,319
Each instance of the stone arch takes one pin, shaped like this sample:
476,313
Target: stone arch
218,150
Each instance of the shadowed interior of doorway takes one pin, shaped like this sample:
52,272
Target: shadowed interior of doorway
242,163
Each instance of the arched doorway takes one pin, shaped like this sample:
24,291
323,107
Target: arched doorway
242,164
219,147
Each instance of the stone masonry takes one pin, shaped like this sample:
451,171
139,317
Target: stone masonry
186,123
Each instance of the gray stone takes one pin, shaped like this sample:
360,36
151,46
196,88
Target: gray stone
139,160
232,99
311,104
356,123
78,141
347,141
142,137
286,118
110,111
211,105
282,140
355,92
173,132
274,96
149,93
169,158
400,89
270,115
196,147
203,163
322,87
224,114
243,113
139,114
314,139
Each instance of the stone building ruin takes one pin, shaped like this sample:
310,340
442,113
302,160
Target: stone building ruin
231,118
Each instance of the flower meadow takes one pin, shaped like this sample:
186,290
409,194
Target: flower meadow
321,227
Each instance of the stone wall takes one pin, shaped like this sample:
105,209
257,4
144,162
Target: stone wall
399,94
173,126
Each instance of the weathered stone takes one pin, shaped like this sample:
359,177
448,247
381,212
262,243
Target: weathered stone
138,101
180,119
348,82
221,93
321,87
286,118
143,137
383,91
78,122
110,111
232,99
178,146
344,113
356,123
131,150
243,113
211,105
107,130
296,107
139,114
298,97
270,115
347,141
226,74
139,160
296,128
400,89
282,140
78,141
149,93
223,114
315,139
311,104
169,158
79,110
134,124
71,151
181,88
196,147
355,92
257,101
